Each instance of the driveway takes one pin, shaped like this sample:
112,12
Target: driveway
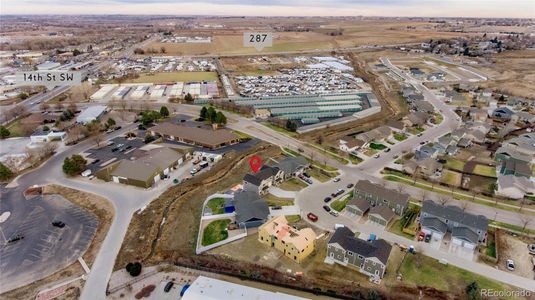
278,192
285,211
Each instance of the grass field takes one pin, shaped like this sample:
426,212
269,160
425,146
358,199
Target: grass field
293,184
15,129
276,201
420,270
280,129
319,175
400,136
485,170
175,76
451,178
215,231
396,228
377,146
454,164
216,205
339,205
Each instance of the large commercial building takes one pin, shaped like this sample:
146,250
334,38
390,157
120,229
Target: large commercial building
91,113
212,139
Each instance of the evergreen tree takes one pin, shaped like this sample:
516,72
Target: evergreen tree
203,112
4,132
5,172
164,111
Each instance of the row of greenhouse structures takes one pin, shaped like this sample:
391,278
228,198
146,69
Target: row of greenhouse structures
309,109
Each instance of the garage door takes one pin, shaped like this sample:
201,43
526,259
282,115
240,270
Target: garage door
437,236
116,179
166,171
457,241
469,245
156,178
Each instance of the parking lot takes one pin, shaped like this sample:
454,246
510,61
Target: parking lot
44,249
121,148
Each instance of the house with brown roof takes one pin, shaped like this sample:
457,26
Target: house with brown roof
208,138
376,195
350,144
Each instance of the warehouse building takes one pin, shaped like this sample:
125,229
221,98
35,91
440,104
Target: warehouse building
102,92
211,139
91,113
121,92
145,169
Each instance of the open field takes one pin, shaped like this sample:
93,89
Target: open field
513,72
166,77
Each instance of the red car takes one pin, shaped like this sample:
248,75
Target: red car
421,236
312,217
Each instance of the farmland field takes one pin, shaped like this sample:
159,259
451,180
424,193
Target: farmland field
175,76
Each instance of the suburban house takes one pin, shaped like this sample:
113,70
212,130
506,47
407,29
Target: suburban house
41,136
503,113
427,167
262,180
515,168
296,244
467,230
91,113
454,96
368,257
381,215
397,126
424,152
506,152
269,176
350,144
524,143
293,166
251,209
477,114
377,195
416,119
208,138
526,117
145,169
515,187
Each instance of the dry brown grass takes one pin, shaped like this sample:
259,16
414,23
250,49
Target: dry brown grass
181,205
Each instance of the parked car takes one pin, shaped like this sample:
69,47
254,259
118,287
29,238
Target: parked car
350,185
396,156
58,224
327,208
95,161
168,287
193,171
306,175
334,213
428,238
327,199
377,155
312,217
277,207
510,264
531,248
118,127
421,236
422,143
387,150
15,238
336,179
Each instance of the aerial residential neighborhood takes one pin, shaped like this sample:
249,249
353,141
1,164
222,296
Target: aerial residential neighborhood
271,150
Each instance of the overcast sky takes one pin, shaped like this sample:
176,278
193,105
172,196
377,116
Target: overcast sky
433,8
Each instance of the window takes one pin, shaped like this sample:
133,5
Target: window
360,257
349,253
331,254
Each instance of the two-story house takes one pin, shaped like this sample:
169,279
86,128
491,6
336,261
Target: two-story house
295,244
376,195
368,257
466,229
261,181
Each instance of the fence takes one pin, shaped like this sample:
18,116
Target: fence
136,279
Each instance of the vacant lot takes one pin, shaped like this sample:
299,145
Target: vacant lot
293,184
166,77
451,177
515,248
276,201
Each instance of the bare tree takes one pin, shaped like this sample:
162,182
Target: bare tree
400,187
443,199
526,220
72,107
423,195
465,205
44,106
98,139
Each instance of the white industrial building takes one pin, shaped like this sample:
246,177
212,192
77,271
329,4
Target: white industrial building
121,92
49,65
157,92
176,90
139,92
91,113
204,288
102,92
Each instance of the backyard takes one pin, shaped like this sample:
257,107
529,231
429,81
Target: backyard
454,164
400,136
276,201
215,231
216,205
485,170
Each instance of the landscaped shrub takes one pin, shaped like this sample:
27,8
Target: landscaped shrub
134,269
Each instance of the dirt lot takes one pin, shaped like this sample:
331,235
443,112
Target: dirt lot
105,212
513,73
515,248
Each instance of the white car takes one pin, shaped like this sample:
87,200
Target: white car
336,179
376,156
510,264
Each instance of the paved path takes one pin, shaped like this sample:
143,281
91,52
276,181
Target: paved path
285,211
278,192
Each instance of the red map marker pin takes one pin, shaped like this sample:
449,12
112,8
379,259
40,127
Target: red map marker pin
255,162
